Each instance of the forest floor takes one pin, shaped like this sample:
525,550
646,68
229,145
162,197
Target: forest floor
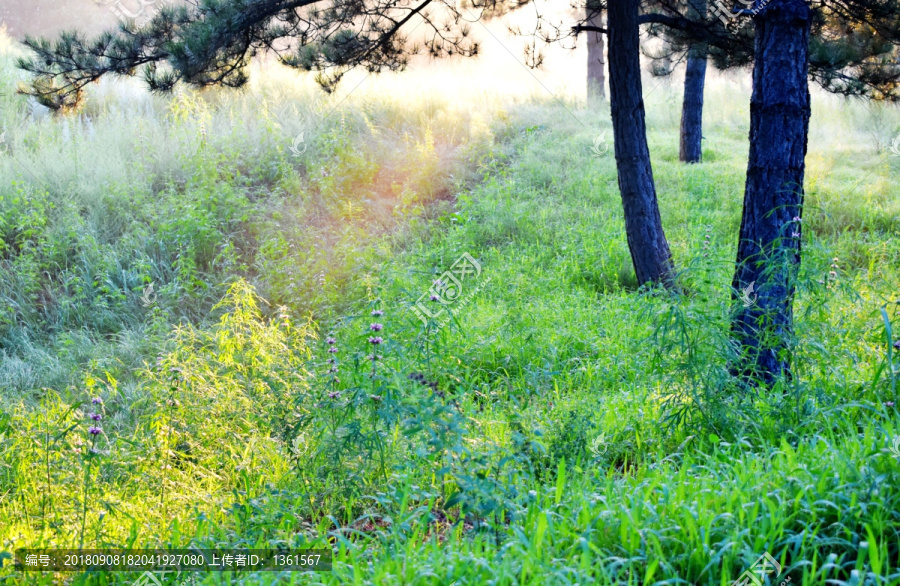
232,286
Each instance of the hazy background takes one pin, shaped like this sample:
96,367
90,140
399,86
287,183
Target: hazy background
45,17
500,67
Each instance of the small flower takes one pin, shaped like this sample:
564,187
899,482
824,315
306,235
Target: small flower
331,341
438,283
372,357
97,401
334,395
888,403
376,340
375,398
795,234
832,273
332,370
95,430
96,417
377,313
332,350
376,327
797,219
434,297
330,361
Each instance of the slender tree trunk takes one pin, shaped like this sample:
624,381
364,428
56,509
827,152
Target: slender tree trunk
768,255
596,66
643,226
691,150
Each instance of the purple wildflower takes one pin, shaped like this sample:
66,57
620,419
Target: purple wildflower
332,350
331,361
330,341
334,395
376,327
97,401
795,234
95,430
96,417
889,404
376,340
377,313
434,297
797,219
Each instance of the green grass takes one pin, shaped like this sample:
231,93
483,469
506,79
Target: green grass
571,429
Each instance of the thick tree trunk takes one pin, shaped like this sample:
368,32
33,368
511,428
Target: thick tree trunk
768,255
691,150
596,65
643,226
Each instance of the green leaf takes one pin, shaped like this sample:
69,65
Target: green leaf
874,551
560,480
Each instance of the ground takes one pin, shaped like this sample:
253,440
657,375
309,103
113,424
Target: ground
190,261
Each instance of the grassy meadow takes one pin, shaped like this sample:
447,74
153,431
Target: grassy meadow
230,284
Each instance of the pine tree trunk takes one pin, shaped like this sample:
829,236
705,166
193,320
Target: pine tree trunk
596,72
643,226
768,255
691,150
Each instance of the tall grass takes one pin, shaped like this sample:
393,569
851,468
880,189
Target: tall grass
219,293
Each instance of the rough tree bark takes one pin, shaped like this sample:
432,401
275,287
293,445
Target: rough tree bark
694,80
643,226
596,65
768,255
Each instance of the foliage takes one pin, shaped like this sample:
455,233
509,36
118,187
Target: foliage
561,427
211,43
